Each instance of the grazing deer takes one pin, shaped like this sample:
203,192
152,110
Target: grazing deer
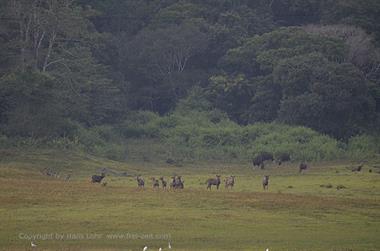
266,182
229,182
164,183
140,182
213,182
358,168
97,178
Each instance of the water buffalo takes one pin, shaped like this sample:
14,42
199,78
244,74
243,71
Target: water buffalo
259,159
97,178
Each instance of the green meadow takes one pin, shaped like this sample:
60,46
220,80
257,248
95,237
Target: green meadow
299,211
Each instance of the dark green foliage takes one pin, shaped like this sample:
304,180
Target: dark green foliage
297,78
332,98
30,106
204,78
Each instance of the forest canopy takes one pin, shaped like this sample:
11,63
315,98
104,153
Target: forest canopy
68,65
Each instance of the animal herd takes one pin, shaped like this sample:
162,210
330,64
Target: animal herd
261,158
178,183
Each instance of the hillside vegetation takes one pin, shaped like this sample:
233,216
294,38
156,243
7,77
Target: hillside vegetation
300,77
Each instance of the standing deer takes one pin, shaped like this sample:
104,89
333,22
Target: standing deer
164,183
266,182
140,182
179,182
156,183
213,182
172,184
229,182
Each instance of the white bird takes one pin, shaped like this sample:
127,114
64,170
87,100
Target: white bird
160,249
145,248
170,246
33,244
267,249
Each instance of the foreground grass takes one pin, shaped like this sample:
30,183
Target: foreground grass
295,214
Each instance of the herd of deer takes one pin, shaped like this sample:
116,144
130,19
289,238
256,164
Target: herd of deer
178,183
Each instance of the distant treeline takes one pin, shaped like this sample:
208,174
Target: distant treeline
197,132
72,66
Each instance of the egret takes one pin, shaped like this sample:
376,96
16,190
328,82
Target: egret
160,249
170,246
145,248
33,244
267,249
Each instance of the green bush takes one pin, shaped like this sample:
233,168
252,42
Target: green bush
363,146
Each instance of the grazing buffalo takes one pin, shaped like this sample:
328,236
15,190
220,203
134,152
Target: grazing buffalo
259,159
229,182
213,182
303,166
266,182
283,157
97,178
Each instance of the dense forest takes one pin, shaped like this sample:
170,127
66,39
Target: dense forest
202,77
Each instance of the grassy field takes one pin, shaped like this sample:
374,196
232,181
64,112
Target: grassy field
298,212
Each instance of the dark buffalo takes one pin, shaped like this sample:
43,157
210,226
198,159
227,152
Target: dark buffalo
259,159
97,178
